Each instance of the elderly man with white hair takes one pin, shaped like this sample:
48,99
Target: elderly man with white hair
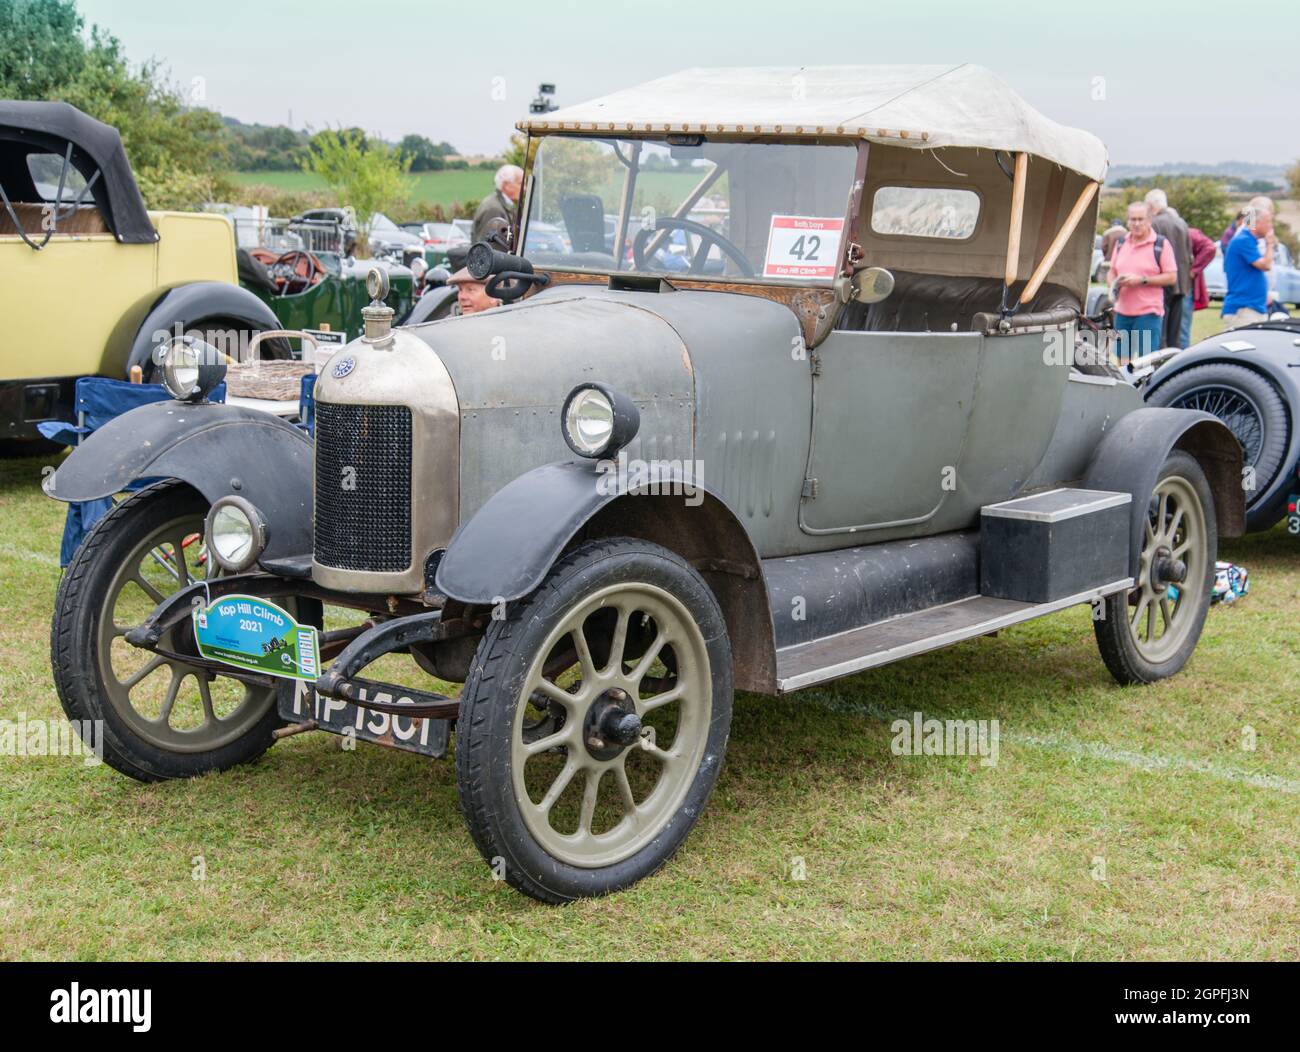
1166,222
1246,263
500,204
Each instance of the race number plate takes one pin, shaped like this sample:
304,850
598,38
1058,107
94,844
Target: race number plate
299,703
328,341
256,635
1293,515
803,247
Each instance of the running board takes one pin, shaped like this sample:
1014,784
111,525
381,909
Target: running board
902,637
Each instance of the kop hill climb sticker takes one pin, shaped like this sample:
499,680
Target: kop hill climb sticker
250,633
803,247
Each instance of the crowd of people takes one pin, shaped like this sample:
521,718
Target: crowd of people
1157,267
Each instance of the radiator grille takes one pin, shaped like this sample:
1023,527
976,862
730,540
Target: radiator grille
363,487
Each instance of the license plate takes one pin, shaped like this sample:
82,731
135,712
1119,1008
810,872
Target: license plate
299,702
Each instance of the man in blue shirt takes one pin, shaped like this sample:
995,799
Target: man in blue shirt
1246,266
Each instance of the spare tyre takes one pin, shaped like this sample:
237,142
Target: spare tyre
1247,403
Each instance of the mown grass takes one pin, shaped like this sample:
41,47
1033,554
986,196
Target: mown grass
1118,824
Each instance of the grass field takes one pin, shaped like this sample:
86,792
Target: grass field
444,188
1117,824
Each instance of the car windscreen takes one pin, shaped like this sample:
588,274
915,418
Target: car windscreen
770,212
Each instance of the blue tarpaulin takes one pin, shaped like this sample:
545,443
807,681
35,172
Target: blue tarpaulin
99,400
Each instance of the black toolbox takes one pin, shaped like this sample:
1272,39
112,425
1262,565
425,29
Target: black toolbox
1053,545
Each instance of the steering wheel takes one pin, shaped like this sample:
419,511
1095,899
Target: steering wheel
297,270
708,238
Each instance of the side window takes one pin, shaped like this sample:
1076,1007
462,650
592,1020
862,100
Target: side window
45,169
924,211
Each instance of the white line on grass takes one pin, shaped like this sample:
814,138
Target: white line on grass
1063,743
22,553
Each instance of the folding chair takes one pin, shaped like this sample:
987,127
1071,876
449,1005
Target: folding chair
99,400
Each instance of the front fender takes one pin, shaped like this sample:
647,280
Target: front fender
505,550
1129,458
217,449
186,306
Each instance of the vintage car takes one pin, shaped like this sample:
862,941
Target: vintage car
305,272
1283,278
95,283
850,430
1248,377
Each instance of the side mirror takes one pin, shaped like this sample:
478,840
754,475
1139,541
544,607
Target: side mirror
872,285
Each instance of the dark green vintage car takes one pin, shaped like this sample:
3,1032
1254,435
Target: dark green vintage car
304,272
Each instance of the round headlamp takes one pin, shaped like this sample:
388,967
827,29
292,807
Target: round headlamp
598,421
236,533
192,369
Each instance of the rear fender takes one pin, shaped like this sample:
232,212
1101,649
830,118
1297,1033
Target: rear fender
189,306
1129,458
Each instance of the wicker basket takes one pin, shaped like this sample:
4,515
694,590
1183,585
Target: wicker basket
275,381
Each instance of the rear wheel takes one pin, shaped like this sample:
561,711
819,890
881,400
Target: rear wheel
1149,632
594,721
162,718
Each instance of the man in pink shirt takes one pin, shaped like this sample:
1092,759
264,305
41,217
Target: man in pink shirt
1143,264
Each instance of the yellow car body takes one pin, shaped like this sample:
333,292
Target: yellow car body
73,307
93,283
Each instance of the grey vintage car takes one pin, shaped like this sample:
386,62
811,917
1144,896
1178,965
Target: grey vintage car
818,405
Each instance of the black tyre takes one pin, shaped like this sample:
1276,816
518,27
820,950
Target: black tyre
161,718
1246,402
1148,633
594,721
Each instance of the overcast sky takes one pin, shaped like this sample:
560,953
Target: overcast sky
1181,81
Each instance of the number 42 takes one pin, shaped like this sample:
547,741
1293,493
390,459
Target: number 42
807,252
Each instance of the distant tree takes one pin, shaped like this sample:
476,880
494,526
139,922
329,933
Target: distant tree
1292,176
514,152
419,151
41,48
178,151
366,174
1201,200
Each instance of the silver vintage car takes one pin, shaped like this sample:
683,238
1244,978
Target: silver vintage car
818,399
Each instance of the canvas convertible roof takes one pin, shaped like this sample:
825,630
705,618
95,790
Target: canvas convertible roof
27,127
920,106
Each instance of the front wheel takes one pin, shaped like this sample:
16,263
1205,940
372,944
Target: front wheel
161,717
1149,632
594,721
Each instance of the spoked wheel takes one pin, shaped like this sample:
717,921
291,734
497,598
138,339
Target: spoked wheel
594,721
1149,632
1247,403
162,717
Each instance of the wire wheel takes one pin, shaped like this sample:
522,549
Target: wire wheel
611,725
1236,409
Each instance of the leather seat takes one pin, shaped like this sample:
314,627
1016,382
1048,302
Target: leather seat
85,220
937,303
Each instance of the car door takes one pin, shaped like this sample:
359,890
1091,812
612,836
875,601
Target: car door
890,418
